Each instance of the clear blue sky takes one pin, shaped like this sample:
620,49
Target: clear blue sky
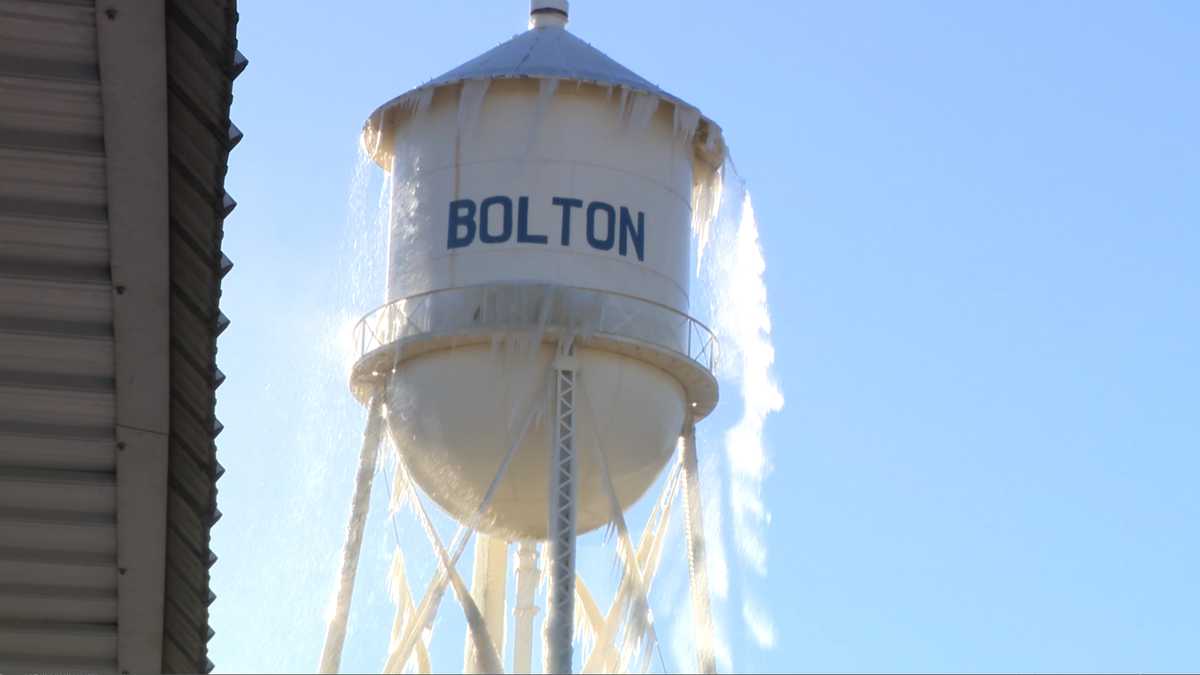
982,232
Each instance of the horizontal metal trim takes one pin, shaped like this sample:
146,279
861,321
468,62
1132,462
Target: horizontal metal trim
43,645
55,327
34,380
32,67
53,209
101,629
58,663
30,139
56,591
44,430
56,516
26,268
57,558
40,475
70,3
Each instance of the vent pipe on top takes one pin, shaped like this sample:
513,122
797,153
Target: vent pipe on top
548,13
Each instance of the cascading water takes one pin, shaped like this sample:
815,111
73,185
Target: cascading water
732,295
445,399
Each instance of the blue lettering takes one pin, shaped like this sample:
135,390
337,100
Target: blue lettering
523,235
484,208
462,217
468,219
596,242
637,235
567,205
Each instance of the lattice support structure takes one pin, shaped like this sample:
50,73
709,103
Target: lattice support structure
487,600
560,603
623,638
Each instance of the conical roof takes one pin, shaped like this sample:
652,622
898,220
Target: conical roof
542,52
550,52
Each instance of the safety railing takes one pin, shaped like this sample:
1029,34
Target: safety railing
529,308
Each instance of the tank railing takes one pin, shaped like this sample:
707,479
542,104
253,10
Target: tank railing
512,308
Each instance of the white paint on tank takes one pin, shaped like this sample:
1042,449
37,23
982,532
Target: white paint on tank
538,184
455,413
577,193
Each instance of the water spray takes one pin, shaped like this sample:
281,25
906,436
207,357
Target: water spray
537,365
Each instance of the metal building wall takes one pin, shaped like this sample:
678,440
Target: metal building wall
114,135
202,60
57,395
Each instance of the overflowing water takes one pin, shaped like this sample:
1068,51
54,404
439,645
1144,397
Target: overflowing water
729,294
732,296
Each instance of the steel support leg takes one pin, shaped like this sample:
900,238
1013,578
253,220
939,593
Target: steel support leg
525,611
560,612
400,651
488,583
335,637
697,557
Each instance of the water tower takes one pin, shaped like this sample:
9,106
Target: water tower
535,365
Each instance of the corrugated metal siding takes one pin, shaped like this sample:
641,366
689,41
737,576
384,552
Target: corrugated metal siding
202,62
57,483
58,603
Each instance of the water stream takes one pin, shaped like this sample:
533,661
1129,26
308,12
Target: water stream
729,294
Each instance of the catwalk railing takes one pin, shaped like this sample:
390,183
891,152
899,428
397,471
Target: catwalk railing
530,308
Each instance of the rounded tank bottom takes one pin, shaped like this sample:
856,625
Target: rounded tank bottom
454,414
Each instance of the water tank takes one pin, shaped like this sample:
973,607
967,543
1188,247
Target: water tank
538,192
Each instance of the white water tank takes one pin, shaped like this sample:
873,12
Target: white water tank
539,191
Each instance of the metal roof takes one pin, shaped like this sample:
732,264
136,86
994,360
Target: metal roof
546,52
550,51
114,134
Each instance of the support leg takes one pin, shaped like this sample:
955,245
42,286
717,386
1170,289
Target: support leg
697,557
525,611
400,651
560,612
488,583
405,611
331,655
606,653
